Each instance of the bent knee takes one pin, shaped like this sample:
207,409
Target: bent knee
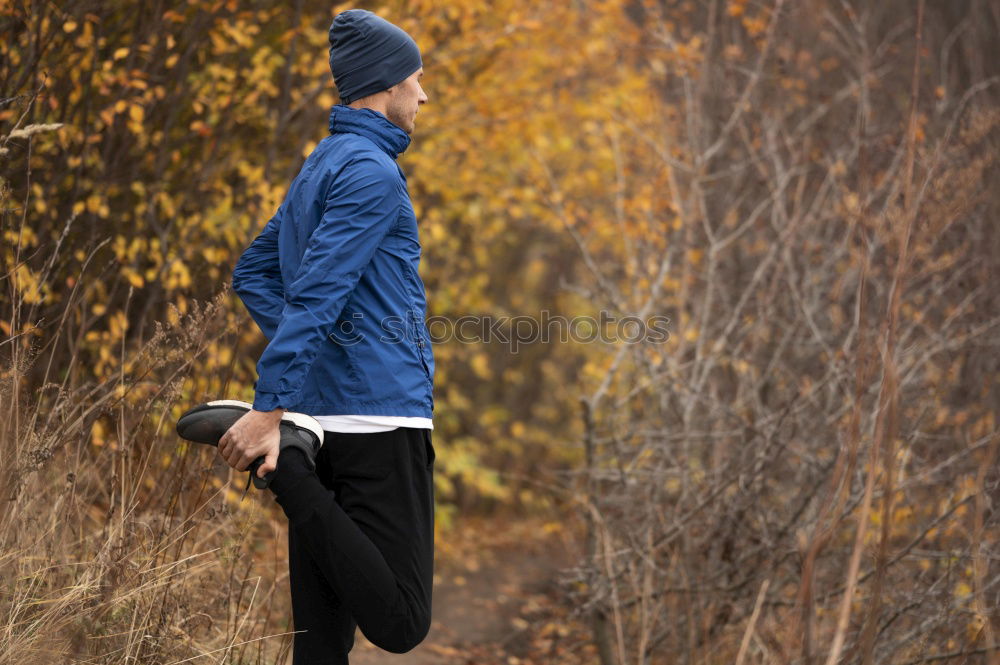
408,636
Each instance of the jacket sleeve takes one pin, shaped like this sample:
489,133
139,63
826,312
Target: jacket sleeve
257,278
358,213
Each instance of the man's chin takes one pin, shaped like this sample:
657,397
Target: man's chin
407,127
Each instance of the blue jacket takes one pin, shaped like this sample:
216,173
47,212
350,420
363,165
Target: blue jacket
332,282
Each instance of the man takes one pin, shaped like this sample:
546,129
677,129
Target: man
332,282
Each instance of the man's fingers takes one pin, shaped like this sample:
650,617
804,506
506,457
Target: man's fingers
243,462
241,444
270,464
228,443
231,455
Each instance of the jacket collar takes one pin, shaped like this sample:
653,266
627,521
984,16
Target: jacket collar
370,124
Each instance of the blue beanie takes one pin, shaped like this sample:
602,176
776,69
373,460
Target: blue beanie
368,54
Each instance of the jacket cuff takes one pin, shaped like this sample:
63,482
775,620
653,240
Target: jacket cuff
269,397
265,401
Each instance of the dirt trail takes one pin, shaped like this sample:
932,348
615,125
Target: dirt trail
483,590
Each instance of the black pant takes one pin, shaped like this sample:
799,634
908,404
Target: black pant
364,557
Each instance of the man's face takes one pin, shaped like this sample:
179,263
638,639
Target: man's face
404,98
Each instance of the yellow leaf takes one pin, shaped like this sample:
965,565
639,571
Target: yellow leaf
480,365
134,278
136,113
120,53
97,433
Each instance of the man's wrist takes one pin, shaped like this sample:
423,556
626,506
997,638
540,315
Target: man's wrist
275,414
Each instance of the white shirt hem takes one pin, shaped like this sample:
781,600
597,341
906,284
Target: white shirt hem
356,424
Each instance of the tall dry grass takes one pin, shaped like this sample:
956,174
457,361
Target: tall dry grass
119,542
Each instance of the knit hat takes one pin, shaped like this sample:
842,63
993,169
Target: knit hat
368,54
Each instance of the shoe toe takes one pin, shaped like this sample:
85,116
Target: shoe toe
207,423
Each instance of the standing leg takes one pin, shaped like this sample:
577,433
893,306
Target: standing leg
323,624
371,536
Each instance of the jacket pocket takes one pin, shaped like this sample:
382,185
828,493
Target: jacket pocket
418,344
343,368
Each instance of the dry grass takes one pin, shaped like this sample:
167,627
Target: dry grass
119,542
135,550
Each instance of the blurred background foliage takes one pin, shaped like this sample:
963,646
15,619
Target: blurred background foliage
182,125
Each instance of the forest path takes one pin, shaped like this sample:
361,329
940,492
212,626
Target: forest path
494,594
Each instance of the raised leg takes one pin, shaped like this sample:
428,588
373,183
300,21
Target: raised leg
365,521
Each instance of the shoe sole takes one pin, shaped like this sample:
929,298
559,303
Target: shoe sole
300,420
209,432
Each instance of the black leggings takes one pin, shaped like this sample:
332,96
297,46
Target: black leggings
364,556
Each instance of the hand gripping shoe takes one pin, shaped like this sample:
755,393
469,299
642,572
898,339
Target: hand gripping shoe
206,423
